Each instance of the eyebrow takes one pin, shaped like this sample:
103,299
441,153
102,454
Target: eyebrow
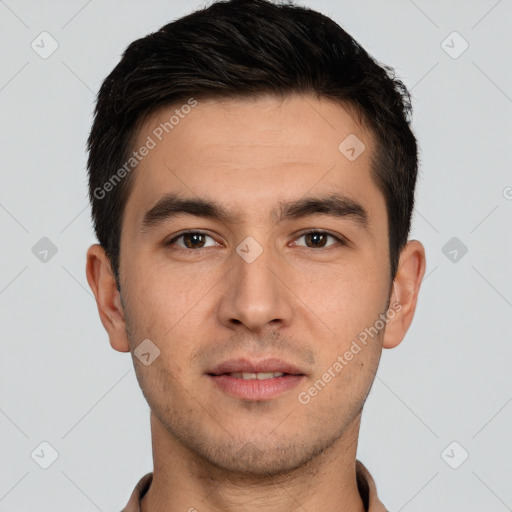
333,205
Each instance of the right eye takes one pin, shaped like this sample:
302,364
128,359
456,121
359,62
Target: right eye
191,239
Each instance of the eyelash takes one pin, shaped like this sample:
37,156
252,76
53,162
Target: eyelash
340,240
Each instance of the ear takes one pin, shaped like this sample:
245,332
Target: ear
101,280
404,295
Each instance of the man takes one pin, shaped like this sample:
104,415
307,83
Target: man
252,175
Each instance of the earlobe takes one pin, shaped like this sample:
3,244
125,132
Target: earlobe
404,297
102,282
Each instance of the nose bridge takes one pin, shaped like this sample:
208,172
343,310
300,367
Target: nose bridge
255,296
253,261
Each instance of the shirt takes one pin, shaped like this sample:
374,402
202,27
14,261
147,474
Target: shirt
365,485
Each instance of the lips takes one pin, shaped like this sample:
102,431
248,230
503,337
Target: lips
256,380
246,366
259,375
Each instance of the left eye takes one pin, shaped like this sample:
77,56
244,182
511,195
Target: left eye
196,240
319,237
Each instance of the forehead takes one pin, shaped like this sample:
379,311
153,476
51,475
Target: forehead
248,153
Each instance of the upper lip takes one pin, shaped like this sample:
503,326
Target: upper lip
255,366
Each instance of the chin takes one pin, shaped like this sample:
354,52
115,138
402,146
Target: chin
259,456
258,461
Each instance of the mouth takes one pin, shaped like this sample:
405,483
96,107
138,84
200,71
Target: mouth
255,380
252,376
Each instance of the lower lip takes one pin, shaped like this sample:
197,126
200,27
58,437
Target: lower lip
255,389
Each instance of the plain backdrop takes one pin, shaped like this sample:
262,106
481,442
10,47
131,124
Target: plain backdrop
436,428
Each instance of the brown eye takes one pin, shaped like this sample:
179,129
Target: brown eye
318,239
191,240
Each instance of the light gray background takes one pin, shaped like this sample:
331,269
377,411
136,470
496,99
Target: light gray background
62,383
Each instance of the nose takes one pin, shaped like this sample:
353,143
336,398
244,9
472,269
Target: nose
256,294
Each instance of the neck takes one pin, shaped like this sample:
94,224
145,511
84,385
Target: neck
183,481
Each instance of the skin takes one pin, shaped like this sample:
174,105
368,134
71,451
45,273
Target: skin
300,300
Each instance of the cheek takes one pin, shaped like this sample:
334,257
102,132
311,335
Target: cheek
171,285
354,366
349,304
158,299
349,299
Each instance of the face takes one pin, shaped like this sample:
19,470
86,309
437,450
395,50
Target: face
275,284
